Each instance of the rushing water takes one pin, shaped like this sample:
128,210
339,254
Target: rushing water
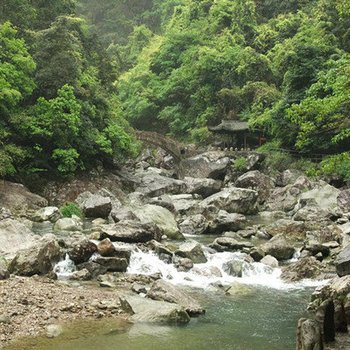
261,314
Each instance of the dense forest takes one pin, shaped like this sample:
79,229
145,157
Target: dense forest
77,76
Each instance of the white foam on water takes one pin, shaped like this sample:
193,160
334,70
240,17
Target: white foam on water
64,268
211,272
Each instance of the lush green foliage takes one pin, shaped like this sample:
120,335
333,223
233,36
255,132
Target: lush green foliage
74,73
59,108
70,209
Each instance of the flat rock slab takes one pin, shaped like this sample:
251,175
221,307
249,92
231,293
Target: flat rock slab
148,310
165,291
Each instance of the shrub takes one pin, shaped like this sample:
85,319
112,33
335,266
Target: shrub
338,164
240,164
70,209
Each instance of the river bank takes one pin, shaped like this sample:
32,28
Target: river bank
147,234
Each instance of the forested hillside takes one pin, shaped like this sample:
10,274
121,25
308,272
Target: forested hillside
74,74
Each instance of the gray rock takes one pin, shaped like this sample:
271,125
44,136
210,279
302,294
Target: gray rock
229,244
212,164
94,205
112,264
94,268
47,214
123,214
154,185
307,267
269,261
14,236
343,201
289,228
4,274
38,259
225,221
257,181
161,290
204,187
19,199
194,225
234,267
286,198
279,248
54,330
233,200
148,310
82,251
183,264
309,335
139,288
186,204
342,262
287,177
131,232
68,224
161,217
191,250
159,248
81,275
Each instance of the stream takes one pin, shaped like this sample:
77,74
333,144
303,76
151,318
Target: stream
261,313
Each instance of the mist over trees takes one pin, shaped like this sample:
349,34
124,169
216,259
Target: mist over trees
76,76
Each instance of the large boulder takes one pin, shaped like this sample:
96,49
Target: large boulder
112,264
213,164
309,211
309,335
194,225
18,198
204,187
161,290
185,204
343,201
38,259
154,185
148,310
225,221
14,236
229,244
161,217
233,200
289,228
342,262
82,251
94,205
68,224
191,250
279,248
257,181
46,214
131,232
307,267
325,196
287,197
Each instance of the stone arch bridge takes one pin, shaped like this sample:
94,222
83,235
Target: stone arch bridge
173,147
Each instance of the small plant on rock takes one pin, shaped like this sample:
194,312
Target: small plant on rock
70,209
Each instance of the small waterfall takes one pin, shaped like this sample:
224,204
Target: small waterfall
64,268
209,273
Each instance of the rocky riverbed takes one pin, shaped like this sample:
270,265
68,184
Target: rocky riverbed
250,221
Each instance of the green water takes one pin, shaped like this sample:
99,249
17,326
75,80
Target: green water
262,319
